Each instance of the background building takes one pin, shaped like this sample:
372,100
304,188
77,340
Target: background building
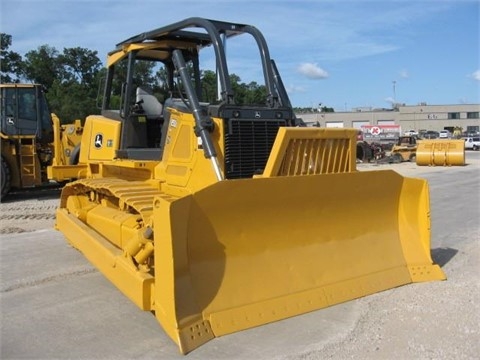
416,117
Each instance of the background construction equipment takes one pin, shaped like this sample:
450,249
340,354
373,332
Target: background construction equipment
35,147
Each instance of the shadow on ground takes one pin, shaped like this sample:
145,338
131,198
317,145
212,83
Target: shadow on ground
47,192
442,256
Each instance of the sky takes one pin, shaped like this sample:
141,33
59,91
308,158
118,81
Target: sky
340,54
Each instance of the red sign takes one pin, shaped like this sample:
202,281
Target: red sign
380,132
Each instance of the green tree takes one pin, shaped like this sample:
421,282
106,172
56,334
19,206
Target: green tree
80,65
42,66
326,109
251,93
10,61
70,77
209,86
71,100
73,94
256,94
161,90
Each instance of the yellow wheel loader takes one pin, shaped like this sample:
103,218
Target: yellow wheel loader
219,216
35,147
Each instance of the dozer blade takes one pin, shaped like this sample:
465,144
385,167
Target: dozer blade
242,253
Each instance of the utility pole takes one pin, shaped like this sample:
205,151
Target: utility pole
394,93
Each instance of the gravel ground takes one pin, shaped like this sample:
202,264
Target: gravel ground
436,320
31,210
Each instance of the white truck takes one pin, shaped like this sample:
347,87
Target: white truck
472,143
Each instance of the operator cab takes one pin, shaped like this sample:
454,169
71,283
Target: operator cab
24,112
153,73
139,87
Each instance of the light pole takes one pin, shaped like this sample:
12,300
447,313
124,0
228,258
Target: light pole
394,93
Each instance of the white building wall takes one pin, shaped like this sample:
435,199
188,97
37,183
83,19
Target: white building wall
417,117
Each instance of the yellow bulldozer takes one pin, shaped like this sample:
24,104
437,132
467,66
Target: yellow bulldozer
35,147
219,216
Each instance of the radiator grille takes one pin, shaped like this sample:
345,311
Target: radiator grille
247,146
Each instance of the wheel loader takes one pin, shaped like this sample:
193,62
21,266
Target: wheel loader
222,215
35,147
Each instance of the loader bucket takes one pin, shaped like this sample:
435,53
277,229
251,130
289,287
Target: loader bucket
243,253
441,152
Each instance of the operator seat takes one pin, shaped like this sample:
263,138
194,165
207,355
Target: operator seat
153,111
151,106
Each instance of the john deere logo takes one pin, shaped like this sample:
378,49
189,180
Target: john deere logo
98,141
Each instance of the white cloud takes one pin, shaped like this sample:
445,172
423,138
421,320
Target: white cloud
390,100
295,89
404,74
476,75
312,71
